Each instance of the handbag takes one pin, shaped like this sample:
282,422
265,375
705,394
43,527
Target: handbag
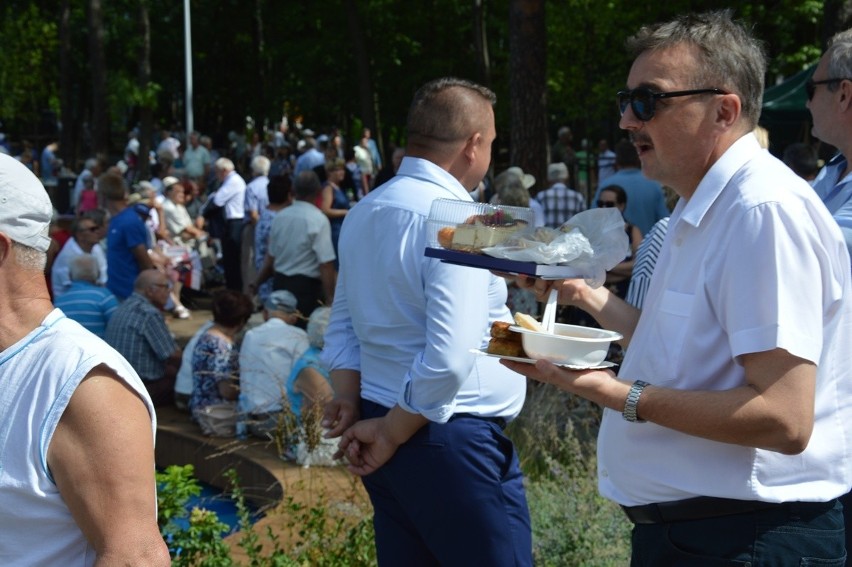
218,420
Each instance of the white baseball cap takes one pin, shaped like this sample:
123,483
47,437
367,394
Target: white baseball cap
25,207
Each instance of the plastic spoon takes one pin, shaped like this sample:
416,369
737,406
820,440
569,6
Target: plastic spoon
549,318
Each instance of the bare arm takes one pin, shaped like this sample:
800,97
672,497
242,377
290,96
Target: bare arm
140,253
344,408
609,310
228,389
102,458
265,272
313,386
327,200
774,410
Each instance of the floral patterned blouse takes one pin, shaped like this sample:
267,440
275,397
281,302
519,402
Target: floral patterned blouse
213,360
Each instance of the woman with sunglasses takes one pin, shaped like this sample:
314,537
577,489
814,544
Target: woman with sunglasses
618,278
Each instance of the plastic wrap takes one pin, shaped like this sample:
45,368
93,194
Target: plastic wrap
593,241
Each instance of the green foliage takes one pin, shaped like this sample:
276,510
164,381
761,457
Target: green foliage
572,523
321,535
258,58
175,486
29,68
201,544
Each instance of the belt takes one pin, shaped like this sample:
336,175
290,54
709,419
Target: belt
499,421
704,507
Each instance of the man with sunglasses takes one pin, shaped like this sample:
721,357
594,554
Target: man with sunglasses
727,433
646,202
87,231
830,102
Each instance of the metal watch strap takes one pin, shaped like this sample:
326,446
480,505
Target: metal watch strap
629,412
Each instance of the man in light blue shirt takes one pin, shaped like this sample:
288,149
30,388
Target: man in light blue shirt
829,92
646,202
310,159
398,346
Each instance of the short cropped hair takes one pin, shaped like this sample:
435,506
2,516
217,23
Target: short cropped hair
447,110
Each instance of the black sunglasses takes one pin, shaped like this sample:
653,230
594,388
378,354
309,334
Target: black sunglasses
643,101
606,204
810,85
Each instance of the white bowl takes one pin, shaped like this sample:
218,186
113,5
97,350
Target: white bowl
569,344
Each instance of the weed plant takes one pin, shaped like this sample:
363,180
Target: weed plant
572,523
320,534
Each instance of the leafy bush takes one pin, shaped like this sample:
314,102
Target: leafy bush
321,534
201,543
572,523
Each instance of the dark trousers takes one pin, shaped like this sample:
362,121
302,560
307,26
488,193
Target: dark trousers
793,534
846,500
231,254
452,495
308,292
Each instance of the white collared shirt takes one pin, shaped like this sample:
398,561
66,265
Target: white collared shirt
408,322
232,195
752,262
267,354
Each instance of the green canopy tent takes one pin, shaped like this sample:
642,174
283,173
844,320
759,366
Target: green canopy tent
784,112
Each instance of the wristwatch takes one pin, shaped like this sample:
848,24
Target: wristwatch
629,412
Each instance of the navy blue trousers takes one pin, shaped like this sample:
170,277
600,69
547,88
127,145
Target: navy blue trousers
452,495
807,534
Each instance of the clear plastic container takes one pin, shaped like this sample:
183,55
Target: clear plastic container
469,226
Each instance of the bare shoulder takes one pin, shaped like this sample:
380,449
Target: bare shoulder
102,460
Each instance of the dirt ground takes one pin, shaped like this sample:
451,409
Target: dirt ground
333,488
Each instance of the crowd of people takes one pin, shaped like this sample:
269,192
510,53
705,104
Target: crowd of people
725,434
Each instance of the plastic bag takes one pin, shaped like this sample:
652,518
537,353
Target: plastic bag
593,241
321,456
218,420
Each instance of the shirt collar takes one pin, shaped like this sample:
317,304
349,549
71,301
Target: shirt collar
425,170
716,178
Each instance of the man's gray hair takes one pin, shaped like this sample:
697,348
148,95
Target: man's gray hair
730,57
224,164
839,56
29,258
84,268
260,165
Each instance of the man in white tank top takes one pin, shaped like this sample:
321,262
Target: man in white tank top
76,424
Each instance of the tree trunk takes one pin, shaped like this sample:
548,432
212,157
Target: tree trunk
68,135
527,66
480,39
362,63
100,105
836,15
146,109
260,97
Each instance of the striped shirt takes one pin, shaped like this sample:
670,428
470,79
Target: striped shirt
646,259
88,304
560,204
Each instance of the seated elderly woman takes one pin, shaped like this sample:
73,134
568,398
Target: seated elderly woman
308,388
179,223
215,360
308,383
